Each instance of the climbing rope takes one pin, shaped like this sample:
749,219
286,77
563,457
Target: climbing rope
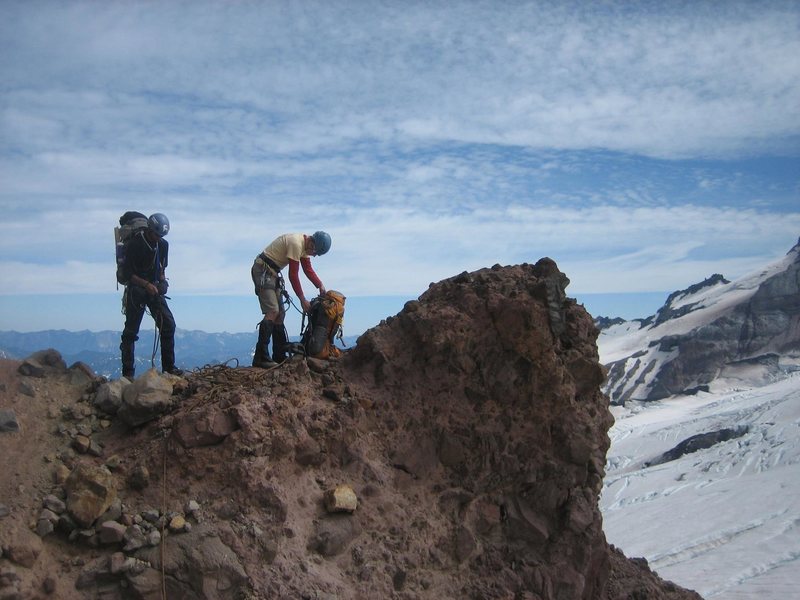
214,380
163,523
156,336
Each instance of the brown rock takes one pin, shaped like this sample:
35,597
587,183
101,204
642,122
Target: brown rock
61,474
116,564
317,365
333,535
21,546
147,584
43,363
341,499
90,492
139,478
177,524
81,444
111,532
193,562
464,544
81,374
204,428
147,398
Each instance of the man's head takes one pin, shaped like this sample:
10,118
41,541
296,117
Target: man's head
158,225
322,243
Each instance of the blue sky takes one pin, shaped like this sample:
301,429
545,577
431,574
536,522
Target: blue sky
642,145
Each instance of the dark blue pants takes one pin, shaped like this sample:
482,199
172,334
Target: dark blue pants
136,300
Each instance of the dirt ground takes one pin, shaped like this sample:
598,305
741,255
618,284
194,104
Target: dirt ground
469,431
28,463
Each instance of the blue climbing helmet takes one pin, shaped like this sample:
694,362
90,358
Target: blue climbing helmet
322,242
158,224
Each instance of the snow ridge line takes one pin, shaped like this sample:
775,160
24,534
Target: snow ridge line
707,543
755,572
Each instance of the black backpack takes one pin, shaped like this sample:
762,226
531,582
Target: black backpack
130,223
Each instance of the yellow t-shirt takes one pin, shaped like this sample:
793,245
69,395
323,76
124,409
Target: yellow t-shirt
287,246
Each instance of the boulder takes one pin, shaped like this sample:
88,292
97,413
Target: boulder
341,499
197,565
111,532
177,524
332,535
206,428
91,490
700,442
146,399
81,374
20,545
43,363
134,539
54,503
8,422
109,396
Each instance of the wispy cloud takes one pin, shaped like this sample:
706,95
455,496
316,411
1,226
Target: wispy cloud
625,140
660,81
396,251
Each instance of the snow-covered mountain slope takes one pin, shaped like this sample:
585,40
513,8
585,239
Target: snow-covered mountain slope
712,329
725,520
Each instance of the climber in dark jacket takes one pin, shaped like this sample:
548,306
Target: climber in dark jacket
144,269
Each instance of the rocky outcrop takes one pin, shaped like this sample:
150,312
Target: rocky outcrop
42,363
606,322
493,385
701,441
457,451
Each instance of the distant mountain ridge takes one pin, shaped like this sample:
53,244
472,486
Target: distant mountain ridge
100,349
747,330
681,302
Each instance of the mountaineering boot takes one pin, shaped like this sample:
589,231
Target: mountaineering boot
168,356
128,369
279,343
261,356
258,355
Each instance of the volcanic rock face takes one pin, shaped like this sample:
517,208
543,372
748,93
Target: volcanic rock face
509,422
494,419
468,432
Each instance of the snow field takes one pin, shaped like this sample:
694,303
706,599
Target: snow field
724,521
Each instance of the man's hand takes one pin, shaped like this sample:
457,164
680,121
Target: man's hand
147,286
322,290
306,306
